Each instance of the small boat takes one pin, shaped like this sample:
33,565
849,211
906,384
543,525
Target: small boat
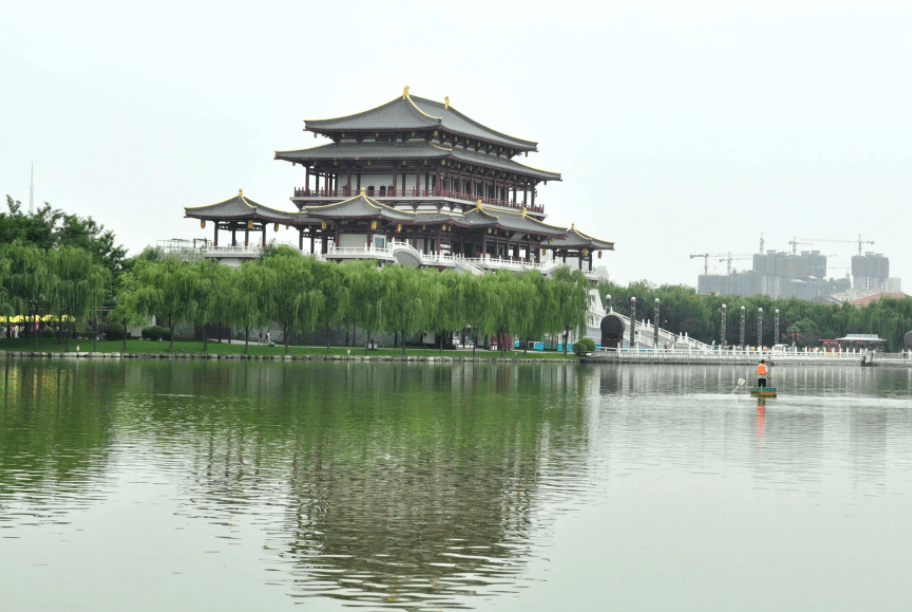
763,391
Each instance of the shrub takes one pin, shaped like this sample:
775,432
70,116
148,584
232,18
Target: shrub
153,332
165,333
584,345
114,331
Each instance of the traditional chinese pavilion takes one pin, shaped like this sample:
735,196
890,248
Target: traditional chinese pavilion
416,173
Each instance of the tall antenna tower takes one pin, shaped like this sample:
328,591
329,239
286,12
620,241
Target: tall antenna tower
32,192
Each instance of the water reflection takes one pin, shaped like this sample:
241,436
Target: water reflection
429,487
402,486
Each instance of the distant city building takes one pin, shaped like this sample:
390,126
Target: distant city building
776,274
870,271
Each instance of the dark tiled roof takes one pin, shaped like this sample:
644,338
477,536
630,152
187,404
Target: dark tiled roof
363,207
352,151
411,112
455,121
241,207
502,163
515,222
577,240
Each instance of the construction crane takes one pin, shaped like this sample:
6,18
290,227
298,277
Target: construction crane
859,241
794,242
706,257
732,258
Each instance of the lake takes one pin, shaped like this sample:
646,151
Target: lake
202,485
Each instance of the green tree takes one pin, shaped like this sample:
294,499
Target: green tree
288,281
247,298
367,291
572,294
80,288
478,303
30,282
128,307
169,287
406,310
444,305
330,280
213,297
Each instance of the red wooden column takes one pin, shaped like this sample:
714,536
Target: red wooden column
215,237
348,183
301,239
395,177
307,181
246,234
264,234
417,180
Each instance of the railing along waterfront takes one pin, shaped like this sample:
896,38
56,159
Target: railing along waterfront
735,357
345,192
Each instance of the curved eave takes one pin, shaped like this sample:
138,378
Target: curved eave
578,240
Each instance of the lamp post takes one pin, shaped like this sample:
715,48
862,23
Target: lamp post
759,329
655,326
722,331
742,327
776,327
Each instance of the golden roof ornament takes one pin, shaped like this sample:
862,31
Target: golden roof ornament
446,102
362,191
240,192
478,205
405,93
524,212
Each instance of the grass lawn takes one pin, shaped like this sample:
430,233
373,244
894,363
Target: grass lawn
50,345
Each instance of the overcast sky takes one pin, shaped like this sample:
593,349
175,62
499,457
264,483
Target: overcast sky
679,127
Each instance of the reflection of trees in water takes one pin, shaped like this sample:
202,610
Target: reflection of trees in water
55,435
374,482
398,484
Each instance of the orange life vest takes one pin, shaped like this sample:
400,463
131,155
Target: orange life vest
761,370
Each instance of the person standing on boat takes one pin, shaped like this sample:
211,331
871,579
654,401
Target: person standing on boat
762,373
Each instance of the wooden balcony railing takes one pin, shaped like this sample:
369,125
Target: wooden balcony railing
301,192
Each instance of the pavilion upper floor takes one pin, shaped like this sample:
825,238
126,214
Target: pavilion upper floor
402,153
410,117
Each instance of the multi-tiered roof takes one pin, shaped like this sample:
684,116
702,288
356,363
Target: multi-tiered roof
419,152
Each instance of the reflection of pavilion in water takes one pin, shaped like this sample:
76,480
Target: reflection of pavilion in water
399,485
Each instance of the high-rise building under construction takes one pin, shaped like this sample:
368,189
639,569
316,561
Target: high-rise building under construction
781,274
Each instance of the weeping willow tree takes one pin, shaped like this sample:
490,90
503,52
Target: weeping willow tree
478,302
30,282
80,288
330,280
247,298
128,307
446,312
571,292
408,299
366,294
213,299
169,287
288,283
